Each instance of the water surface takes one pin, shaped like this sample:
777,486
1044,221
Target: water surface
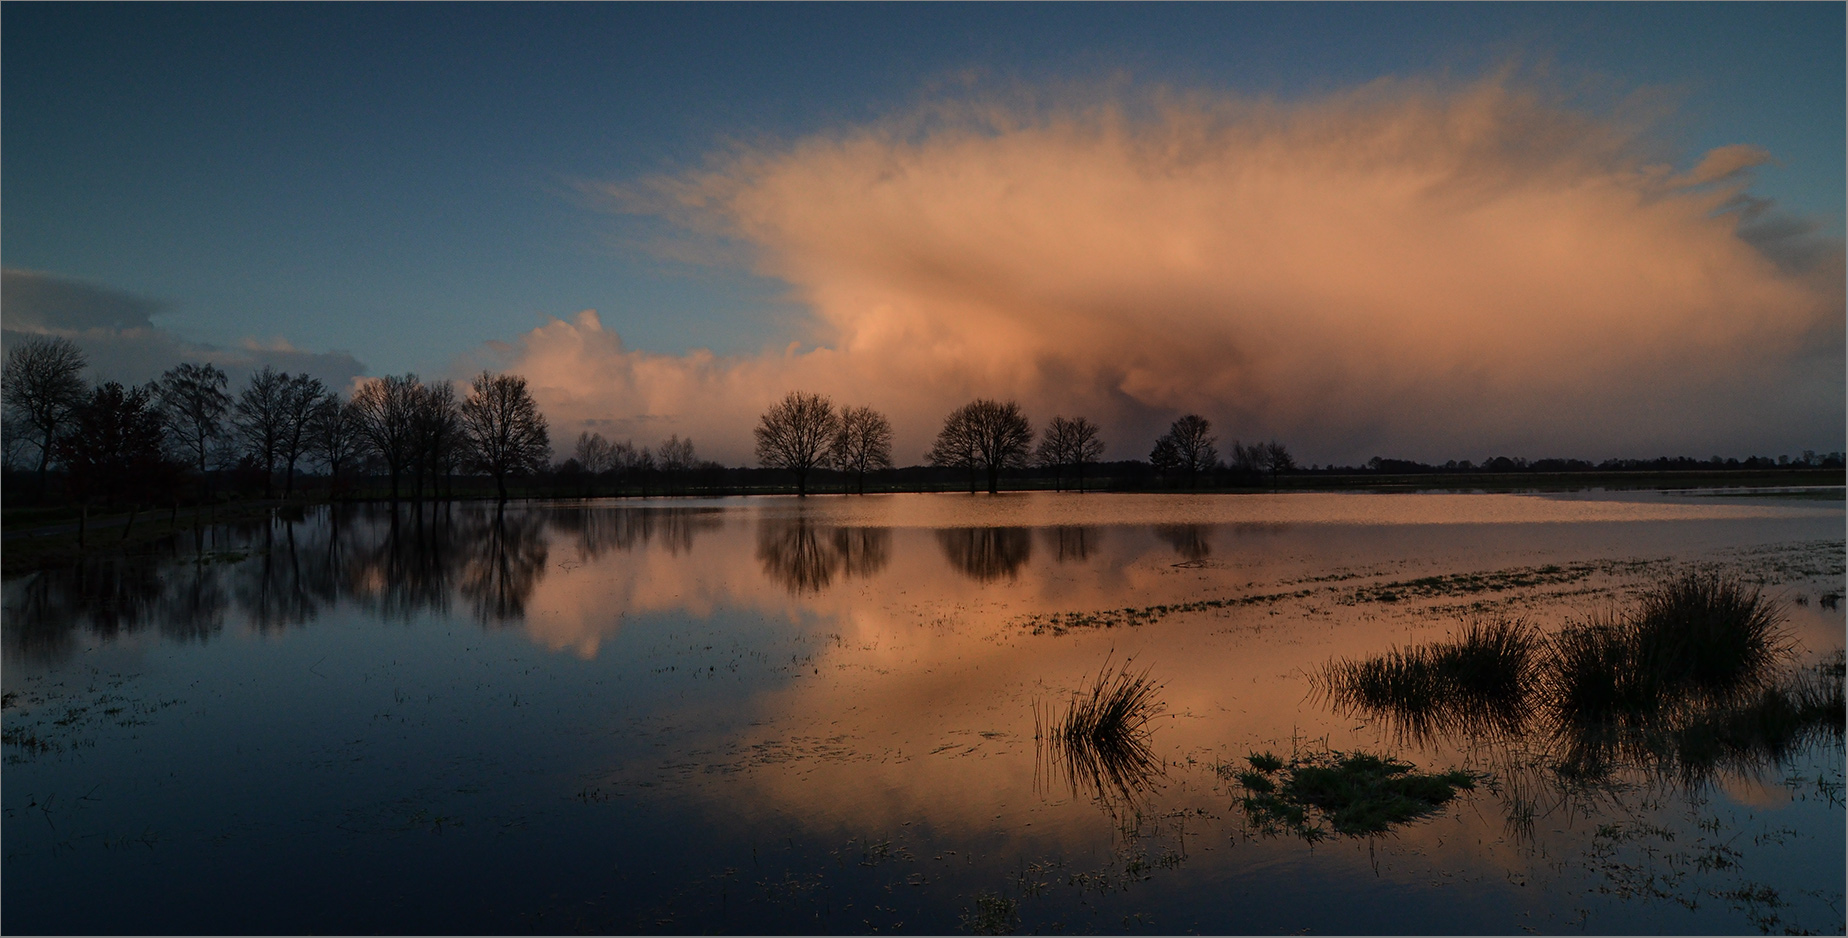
774,714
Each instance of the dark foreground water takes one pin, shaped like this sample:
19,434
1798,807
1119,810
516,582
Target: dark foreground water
768,715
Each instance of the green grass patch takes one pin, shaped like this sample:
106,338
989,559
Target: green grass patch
1354,794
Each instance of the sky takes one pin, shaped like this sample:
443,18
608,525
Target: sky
1421,231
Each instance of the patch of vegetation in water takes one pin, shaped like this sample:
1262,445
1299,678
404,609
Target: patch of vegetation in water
1355,794
1101,743
1494,581
1481,678
1059,623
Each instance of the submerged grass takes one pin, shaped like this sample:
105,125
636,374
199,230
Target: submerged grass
1354,793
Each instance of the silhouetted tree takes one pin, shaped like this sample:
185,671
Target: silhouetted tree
261,415
1087,446
41,384
1276,458
114,445
440,440
795,434
1165,456
1069,443
506,432
993,434
301,395
862,444
194,400
677,458
595,456
387,411
1192,441
1054,450
334,436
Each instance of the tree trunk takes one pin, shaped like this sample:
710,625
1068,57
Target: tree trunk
994,479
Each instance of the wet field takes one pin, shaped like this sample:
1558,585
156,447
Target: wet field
835,715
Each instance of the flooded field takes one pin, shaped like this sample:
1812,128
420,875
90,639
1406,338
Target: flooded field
856,714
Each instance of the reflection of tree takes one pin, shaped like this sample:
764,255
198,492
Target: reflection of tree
601,529
104,596
1191,541
806,557
987,554
1071,543
396,561
500,576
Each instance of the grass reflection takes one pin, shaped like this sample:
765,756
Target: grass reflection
1100,745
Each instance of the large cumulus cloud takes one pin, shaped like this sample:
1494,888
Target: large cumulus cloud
1408,268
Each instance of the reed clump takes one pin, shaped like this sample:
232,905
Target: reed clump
1697,639
1102,742
1483,677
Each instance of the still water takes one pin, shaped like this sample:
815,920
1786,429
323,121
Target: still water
819,715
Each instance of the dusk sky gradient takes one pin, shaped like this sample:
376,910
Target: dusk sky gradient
911,205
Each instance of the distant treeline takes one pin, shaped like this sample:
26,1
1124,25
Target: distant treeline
1808,459
187,439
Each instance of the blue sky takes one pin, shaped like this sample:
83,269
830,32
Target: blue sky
397,180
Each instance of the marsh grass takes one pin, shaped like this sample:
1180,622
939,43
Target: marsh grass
1693,680
1102,741
1356,794
1699,639
1483,678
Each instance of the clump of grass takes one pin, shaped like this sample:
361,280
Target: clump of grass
1102,741
1697,639
1481,678
1356,793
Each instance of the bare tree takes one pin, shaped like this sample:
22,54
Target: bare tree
440,440
956,446
301,395
41,384
1055,449
1165,456
795,434
1087,446
1192,439
595,456
195,402
862,444
261,414
677,459
505,431
334,435
1276,458
992,434
387,411
113,446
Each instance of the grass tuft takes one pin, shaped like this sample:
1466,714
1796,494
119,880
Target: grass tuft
1102,741
1481,678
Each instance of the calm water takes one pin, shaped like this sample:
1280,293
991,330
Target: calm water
772,715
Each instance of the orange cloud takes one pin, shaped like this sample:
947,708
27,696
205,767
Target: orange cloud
1401,269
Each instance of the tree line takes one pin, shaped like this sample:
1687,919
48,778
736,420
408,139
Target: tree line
984,437
141,443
